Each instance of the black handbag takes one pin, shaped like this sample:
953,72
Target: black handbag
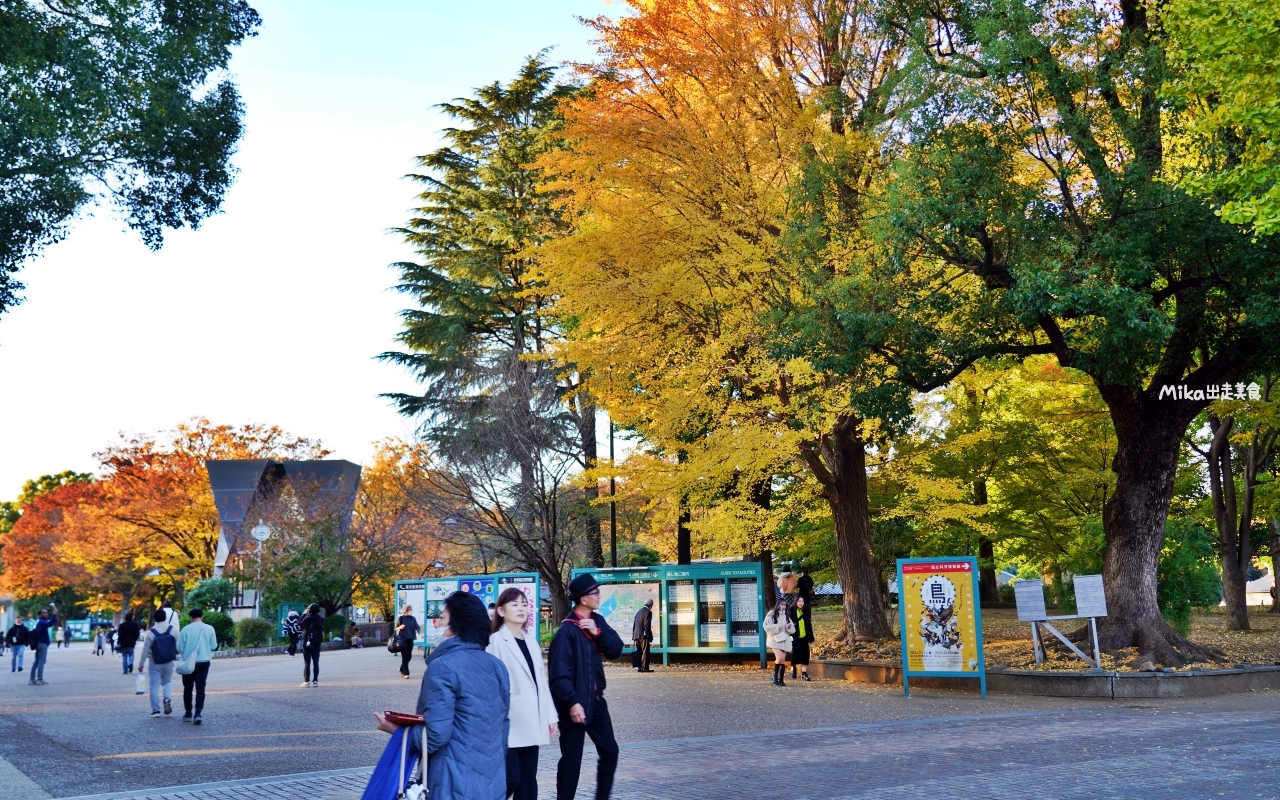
393,644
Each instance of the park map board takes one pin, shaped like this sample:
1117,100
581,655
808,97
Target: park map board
940,620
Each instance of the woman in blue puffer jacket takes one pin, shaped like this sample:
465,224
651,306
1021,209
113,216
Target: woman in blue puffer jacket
465,699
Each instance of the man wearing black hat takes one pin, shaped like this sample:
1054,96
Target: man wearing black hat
575,670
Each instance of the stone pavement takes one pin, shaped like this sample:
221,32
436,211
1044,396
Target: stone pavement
685,734
1158,751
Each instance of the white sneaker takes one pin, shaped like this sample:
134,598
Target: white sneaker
306,684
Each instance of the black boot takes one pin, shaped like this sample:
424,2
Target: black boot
774,678
793,672
782,674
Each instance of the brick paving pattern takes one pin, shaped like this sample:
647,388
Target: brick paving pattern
1100,752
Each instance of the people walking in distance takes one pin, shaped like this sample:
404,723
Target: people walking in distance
159,651
293,629
16,638
99,642
642,635
58,634
533,713
312,625
804,588
576,671
802,617
407,630
40,640
780,628
465,701
198,640
127,641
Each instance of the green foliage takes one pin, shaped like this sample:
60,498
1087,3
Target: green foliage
253,632
223,626
120,99
71,604
333,625
638,555
1188,574
1224,58
211,594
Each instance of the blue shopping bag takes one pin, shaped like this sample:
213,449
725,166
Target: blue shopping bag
395,769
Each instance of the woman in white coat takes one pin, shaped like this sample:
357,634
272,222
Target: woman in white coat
778,624
533,715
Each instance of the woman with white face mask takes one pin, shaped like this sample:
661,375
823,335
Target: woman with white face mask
533,714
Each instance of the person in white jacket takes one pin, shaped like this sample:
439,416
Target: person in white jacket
778,624
533,714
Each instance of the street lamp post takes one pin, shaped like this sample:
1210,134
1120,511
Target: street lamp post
261,532
613,508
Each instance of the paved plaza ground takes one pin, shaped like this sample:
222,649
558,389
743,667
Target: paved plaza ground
685,733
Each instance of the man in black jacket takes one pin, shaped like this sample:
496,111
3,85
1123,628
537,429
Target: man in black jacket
17,641
642,635
575,670
312,625
127,636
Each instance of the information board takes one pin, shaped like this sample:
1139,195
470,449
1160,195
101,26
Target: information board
698,608
1091,600
941,626
427,596
620,602
1029,595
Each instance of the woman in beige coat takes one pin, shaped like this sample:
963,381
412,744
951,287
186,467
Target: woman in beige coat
778,624
533,715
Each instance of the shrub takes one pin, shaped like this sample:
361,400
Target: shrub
1188,573
333,625
223,626
211,594
638,555
254,632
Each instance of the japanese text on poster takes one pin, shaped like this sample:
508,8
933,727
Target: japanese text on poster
940,631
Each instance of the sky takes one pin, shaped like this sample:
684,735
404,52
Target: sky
274,310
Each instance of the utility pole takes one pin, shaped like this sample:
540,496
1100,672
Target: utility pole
613,507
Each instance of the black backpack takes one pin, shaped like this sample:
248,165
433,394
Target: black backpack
164,648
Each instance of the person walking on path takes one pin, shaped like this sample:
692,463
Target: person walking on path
127,641
803,620
407,630
198,640
533,713
58,633
778,624
16,637
171,616
40,641
312,626
642,635
159,650
576,670
293,630
465,699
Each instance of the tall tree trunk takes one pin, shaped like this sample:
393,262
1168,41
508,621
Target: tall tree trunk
839,461
684,541
988,591
586,422
1148,440
1230,524
1274,526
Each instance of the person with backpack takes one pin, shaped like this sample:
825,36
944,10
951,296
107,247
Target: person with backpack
293,630
40,641
160,650
16,637
127,641
312,624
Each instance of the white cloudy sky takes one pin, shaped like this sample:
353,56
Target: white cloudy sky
273,311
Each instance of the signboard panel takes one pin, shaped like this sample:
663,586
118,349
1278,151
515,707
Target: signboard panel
427,596
1091,600
1029,595
713,628
744,622
940,621
529,585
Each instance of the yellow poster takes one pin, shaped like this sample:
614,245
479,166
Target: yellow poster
941,630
